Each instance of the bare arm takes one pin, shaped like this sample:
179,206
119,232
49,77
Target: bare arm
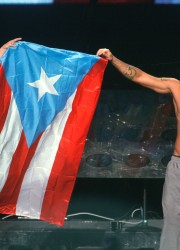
11,43
160,85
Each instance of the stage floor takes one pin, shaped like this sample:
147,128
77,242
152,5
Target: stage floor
25,234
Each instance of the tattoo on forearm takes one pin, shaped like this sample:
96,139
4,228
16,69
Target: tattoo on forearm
130,73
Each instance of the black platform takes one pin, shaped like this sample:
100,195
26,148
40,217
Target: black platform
26,234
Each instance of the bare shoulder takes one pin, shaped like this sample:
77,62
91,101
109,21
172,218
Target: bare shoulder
174,86
171,83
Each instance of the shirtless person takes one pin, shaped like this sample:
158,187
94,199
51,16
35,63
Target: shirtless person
170,237
11,43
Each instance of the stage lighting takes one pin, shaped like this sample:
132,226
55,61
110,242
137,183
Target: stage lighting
26,1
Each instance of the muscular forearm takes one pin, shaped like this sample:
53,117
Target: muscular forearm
137,75
126,70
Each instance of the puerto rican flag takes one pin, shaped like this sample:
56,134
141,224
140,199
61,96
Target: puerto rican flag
47,100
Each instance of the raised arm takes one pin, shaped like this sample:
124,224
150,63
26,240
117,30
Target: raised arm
11,43
160,85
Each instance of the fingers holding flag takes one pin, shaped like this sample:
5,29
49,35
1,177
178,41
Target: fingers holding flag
11,43
105,53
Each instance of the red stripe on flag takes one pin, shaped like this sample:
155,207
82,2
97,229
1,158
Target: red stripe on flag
68,157
19,165
5,97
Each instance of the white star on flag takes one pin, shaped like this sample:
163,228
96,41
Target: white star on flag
45,84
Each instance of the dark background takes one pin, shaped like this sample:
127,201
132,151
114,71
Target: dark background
144,35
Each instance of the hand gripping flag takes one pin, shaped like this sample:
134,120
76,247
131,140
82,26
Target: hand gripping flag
47,99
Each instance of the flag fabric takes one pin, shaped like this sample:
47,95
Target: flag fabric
47,100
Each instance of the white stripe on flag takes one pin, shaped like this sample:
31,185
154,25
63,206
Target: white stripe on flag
36,178
9,139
